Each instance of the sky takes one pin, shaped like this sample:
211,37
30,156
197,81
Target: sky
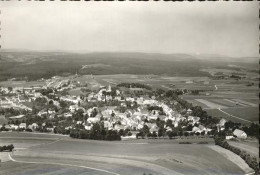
224,28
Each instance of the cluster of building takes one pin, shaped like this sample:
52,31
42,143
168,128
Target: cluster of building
133,119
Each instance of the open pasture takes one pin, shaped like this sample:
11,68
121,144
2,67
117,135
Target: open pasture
252,147
225,102
125,157
248,103
197,103
24,140
210,104
14,168
248,113
191,83
238,118
21,83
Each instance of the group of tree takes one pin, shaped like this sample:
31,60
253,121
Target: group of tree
151,108
45,91
249,159
97,132
61,130
252,130
135,85
7,148
170,134
8,112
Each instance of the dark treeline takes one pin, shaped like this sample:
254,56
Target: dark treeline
252,130
97,132
249,159
134,85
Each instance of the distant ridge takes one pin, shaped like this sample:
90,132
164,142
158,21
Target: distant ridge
13,55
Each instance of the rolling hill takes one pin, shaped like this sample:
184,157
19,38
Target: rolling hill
35,65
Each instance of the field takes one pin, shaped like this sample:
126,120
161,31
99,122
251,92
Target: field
231,99
250,113
156,81
250,146
217,113
63,155
20,83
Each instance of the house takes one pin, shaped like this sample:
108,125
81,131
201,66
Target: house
153,127
189,111
107,124
193,119
222,122
9,127
73,108
66,115
175,124
19,118
22,125
119,127
35,126
88,127
195,129
68,128
239,134
74,100
14,127
168,129
229,135
93,120
79,122
50,129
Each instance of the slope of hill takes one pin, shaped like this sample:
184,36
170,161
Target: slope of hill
36,65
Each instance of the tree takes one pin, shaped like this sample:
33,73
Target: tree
10,89
121,132
160,132
169,123
180,133
145,130
189,128
186,134
174,134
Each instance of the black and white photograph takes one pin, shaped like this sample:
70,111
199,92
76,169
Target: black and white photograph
129,88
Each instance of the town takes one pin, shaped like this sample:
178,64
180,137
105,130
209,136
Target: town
124,111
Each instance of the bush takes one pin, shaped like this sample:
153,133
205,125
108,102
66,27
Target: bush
185,143
28,130
7,148
203,143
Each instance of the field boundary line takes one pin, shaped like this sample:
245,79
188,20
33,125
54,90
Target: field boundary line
49,143
62,164
234,116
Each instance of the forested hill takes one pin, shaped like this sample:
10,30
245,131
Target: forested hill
35,65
